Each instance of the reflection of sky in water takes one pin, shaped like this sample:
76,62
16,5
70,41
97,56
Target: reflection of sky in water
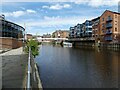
77,67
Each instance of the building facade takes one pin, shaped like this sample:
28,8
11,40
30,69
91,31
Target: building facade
71,32
105,28
60,34
11,34
29,36
81,30
110,27
46,36
96,28
88,28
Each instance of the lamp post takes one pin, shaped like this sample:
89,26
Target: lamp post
24,36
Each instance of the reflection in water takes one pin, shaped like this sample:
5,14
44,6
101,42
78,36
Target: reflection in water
77,68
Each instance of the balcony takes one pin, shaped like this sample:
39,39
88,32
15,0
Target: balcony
109,19
108,32
109,25
108,38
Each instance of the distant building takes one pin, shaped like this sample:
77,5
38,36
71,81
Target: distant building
11,34
60,34
29,36
46,36
110,26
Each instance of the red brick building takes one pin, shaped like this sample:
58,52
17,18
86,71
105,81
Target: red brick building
110,27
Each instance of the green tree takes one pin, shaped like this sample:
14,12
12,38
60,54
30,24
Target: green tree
33,44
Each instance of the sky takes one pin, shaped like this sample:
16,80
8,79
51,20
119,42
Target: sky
39,17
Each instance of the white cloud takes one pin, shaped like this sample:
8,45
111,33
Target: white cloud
97,3
19,13
30,11
56,21
66,6
52,23
14,14
57,6
45,7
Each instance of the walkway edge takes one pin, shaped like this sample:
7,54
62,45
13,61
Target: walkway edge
38,78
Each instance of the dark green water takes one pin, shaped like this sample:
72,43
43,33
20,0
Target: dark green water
78,68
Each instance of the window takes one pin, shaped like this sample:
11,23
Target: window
109,16
102,19
103,25
102,31
115,29
115,16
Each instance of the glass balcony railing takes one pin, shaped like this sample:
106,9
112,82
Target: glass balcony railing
108,32
109,19
109,25
108,38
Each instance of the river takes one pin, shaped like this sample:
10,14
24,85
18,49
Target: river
62,67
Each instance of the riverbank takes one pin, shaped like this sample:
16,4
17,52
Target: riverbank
14,70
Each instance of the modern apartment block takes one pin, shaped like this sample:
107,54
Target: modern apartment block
11,34
88,28
96,28
110,27
105,28
81,30
71,32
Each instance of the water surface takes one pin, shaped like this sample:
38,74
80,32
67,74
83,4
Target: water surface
77,68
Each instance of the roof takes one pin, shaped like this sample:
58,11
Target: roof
111,12
29,34
95,19
12,23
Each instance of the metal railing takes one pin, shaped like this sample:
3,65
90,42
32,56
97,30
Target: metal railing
32,80
29,69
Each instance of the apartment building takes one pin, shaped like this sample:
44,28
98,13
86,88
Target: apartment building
71,32
79,30
88,28
96,28
11,34
110,27
105,28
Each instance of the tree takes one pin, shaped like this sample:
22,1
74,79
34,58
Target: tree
33,44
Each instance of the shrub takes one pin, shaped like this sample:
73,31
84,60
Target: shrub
33,44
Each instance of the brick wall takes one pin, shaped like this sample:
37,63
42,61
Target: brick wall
10,43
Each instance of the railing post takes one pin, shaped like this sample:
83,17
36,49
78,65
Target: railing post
29,69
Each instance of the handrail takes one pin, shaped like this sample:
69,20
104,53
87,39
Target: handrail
29,69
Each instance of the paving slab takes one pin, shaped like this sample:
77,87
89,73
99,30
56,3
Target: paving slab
14,65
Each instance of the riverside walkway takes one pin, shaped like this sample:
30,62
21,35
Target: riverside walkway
14,67
14,70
